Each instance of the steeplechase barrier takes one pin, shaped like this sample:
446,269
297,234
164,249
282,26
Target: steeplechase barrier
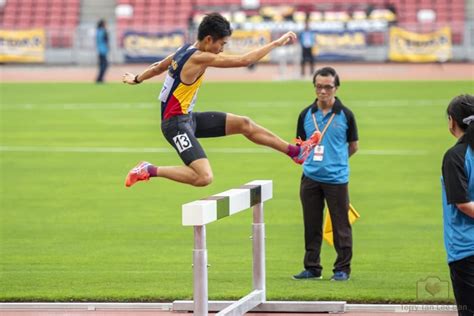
211,209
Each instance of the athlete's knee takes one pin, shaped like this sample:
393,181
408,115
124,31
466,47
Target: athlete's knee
202,173
203,180
246,125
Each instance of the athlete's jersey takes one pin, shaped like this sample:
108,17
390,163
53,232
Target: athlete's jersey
178,98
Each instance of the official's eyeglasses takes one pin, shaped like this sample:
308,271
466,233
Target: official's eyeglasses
325,87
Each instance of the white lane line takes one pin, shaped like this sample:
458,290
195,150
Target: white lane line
89,307
263,104
392,152
124,150
223,150
398,103
92,306
356,103
80,106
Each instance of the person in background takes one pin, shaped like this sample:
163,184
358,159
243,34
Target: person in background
457,184
307,42
368,10
325,176
102,45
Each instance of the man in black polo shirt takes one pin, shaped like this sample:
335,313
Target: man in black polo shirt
326,175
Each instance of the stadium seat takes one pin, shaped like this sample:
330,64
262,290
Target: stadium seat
48,14
39,20
376,39
171,14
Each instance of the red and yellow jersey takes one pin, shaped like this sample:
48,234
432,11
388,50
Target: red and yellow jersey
178,98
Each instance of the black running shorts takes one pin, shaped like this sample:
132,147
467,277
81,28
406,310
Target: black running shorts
183,131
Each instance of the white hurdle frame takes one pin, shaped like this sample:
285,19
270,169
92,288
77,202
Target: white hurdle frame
201,212
208,210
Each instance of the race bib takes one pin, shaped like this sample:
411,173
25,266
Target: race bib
318,153
182,142
165,90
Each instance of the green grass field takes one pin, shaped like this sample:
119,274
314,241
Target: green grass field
71,231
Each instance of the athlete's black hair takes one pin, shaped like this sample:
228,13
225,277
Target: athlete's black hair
459,109
326,72
215,25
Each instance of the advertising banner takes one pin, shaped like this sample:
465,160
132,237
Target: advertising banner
340,46
150,47
407,46
25,46
243,41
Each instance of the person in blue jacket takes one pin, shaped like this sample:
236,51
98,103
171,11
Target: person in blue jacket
458,202
307,42
102,45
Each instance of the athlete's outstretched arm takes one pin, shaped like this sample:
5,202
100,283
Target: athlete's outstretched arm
221,61
153,70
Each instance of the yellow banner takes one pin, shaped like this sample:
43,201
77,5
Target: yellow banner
148,47
242,42
415,47
25,46
340,45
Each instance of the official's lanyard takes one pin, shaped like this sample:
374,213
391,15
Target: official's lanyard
325,127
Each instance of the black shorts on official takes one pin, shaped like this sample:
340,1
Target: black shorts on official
183,131
307,54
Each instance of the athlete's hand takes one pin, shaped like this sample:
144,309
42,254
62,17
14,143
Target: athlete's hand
286,38
128,78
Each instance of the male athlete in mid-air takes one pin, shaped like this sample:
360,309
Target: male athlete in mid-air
181,126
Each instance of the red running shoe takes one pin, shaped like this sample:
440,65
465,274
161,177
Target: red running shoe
139,173
306,146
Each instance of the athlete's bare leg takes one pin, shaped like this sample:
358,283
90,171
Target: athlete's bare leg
198,173
236,124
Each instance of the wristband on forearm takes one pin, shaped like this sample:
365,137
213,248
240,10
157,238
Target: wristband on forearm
136,79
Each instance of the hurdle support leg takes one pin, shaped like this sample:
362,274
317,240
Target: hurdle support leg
200,271
258,243
258,295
